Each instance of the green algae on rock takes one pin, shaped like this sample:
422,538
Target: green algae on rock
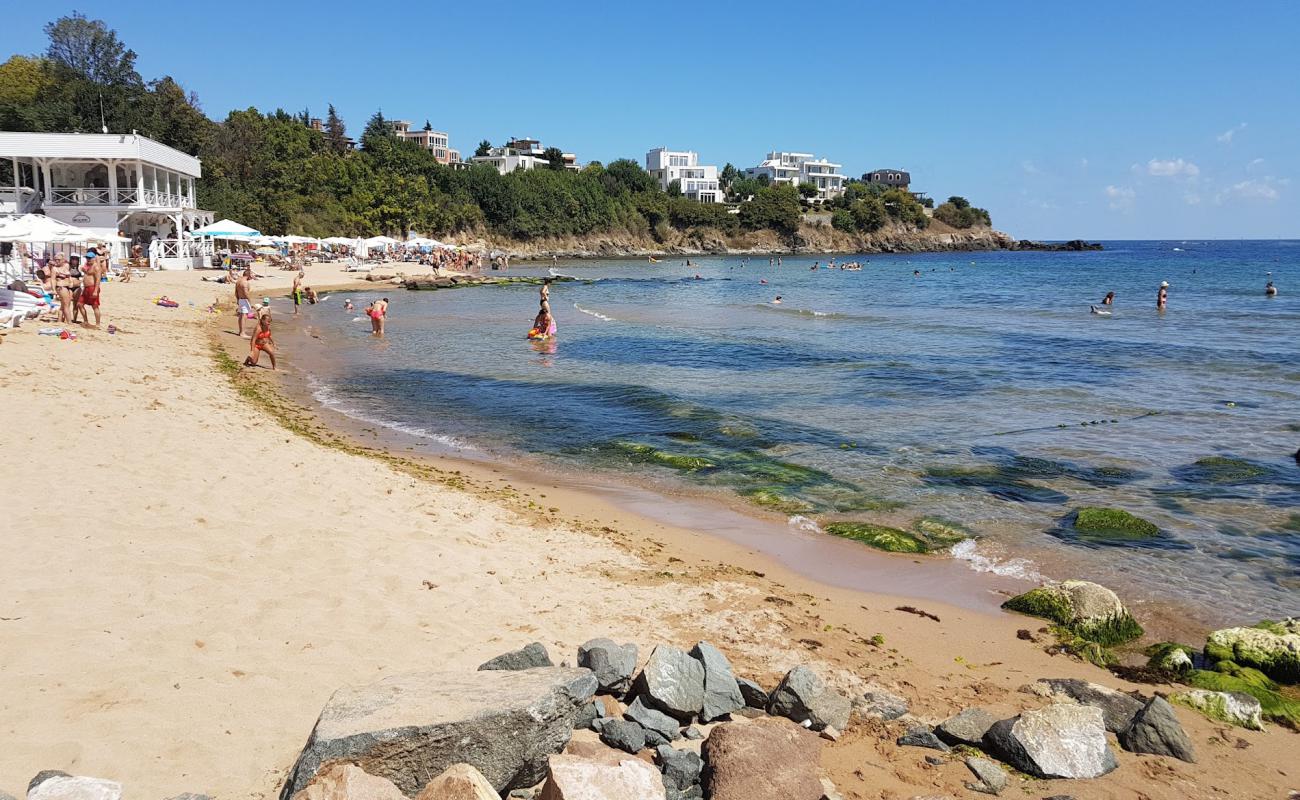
880,537
1229,677
1084,609
770,498
941,532
1171,656
1113,523
1222,470
1271,647
1234,708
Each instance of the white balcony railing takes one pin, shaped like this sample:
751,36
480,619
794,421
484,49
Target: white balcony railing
125,197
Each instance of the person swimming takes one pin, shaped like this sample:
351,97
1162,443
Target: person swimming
1162,296
1270,290
1109,299
777,301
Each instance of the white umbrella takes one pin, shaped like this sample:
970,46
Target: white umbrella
379,242
340,240
225,229
40,228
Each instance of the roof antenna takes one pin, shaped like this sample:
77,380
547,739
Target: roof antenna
103,126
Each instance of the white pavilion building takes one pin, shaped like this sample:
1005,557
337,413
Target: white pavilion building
113,184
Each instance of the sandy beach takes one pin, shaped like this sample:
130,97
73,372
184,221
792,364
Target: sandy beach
193,565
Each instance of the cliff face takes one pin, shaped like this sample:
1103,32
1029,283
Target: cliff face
812,238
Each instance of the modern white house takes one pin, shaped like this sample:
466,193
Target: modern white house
115,185
435,142
697,181
522,154
797,168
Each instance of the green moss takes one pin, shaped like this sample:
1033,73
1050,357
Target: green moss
1161,652
1272,627
1113,523
879,536
1258,650
1094,653
1274,705
1044,603
1222,469
678,461
941,532
769,498
1292,524
1111,631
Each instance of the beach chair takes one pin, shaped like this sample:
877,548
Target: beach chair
353,265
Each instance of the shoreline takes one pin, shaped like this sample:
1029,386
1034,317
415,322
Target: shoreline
210,570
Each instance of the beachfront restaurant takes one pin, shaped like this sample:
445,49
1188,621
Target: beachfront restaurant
114,184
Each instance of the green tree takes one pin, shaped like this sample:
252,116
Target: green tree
727,176
89,49
777,207
174,117
842,219
628,176
959,213
336,134
675,188
484,147
378,132
868,214
807,191
554,157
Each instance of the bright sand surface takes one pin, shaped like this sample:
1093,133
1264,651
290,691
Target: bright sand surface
186,580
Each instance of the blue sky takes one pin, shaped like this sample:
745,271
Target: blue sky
1098,120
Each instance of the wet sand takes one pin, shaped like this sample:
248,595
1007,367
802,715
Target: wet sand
195,563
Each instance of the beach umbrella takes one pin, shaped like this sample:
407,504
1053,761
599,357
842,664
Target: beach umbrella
40,228
266,250
226,229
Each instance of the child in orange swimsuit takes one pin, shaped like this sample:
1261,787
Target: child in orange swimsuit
260,342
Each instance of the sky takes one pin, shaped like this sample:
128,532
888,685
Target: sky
1098,120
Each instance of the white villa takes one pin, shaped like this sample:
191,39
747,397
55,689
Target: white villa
522,154
435,142
797,168
697,181
112,184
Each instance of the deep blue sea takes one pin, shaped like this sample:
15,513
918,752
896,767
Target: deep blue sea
981,392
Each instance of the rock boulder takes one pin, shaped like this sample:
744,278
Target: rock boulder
1234,708
681,768
1059,741
1117,708
1155,730
967,727
410,726
62,786
613,664
653,720
767,758
624,735
878,703
459,782
804,697
755,696
527,657
577,778
721,691
672,682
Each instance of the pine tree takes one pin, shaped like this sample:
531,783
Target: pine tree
336,135
377,130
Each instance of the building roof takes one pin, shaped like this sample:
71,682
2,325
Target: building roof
97,146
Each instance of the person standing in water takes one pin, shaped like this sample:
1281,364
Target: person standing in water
1109,299
1270,290
378,313
1162,296
297,291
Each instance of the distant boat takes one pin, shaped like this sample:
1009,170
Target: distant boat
1178,249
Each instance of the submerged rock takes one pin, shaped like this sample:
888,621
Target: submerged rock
804,697
1234,708
410,726
1110,527
527,657
880,537
1156,731
613,664
1222,470
1059,741
1271,647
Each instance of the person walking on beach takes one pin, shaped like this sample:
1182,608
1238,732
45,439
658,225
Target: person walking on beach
261,342
297,291
1162,296
243,307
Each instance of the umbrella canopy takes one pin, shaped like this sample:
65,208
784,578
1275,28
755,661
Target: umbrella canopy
225,229
347,240
377,242
266,250
40,228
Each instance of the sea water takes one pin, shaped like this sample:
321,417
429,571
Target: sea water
972,388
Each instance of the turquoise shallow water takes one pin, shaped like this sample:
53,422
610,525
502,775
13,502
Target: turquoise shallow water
981,391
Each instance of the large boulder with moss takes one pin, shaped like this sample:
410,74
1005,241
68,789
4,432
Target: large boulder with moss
1111,526
1089,610
1271,647
1234,678
880,537
1171,657
1234,708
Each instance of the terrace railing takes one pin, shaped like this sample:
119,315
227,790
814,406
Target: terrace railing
85,196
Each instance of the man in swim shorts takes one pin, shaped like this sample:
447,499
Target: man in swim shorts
297,291
90,287
242,306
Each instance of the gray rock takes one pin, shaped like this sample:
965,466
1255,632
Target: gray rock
992,778
623,735
612,663
804,697
408,727
755,696
966,727
935,761
653,720
672,682
922,736
695,792
880,704
1060,741
654,739
75,787
587,715
751,713
527,657
721,690
43,776
598,724
681,768
1155,730
692,733
1234,708
1118,708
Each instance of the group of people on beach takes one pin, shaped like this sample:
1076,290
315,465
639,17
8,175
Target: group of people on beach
76,282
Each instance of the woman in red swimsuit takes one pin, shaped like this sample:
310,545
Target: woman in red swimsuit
260,342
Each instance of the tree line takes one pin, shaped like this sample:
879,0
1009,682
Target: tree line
273,171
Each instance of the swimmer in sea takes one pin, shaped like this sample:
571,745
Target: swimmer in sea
916,273
347,305
1162,296
1270,290
777,301
1109,299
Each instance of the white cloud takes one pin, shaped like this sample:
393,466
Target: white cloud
1120,197
1030,168
1264,190
1226,136
1192,199
1254,163
1172,168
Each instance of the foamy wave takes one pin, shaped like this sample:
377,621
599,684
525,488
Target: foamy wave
1022,568
326,396
595,314
804,524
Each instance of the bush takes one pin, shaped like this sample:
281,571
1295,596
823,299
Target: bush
959,213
